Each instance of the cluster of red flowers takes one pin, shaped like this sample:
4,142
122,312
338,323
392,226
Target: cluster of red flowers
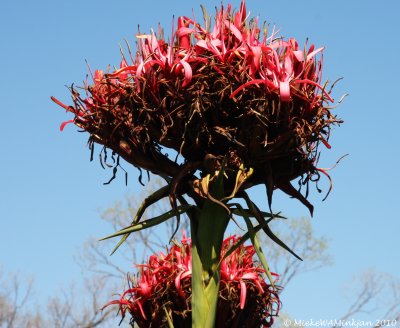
163,285
227,91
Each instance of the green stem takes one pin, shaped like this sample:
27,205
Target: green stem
208,226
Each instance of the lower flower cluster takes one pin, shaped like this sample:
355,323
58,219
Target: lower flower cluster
161,291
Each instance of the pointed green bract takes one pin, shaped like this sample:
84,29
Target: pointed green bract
247,235
169,319
150,200
257,247
267,230
147,224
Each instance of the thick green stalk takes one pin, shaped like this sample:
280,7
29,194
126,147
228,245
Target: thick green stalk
208,226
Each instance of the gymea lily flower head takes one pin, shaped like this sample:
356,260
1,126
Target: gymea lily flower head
228,91
163,285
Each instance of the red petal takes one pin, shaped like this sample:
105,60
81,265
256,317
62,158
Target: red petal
234,30
258,81
243,292
59,103
188,73
284,89
63,124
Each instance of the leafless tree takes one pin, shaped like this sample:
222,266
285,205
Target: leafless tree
14,295
71,309
374,293
369,293
299,236
67,310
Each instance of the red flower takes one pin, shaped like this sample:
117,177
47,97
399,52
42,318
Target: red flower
211,93
166,281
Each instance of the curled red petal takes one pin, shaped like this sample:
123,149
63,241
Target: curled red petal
187,71
63,124
258,81
234,30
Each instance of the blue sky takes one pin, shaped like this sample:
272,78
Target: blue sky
51,195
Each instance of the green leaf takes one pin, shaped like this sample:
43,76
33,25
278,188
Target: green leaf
245,236
254,240
169,319
267,230
245,211
150,200
147,224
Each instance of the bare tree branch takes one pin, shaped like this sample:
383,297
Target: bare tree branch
299,236
15,292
